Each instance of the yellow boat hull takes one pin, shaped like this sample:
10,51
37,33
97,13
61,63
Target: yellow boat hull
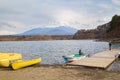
7,58
21,64
10,56
4,63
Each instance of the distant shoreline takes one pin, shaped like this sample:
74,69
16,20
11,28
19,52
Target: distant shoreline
35,38
45,37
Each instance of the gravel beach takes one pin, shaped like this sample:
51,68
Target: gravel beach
57,72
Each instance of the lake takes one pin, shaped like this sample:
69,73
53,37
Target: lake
52,51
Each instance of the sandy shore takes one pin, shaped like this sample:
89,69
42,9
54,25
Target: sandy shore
59,72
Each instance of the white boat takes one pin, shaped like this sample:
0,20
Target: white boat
74,57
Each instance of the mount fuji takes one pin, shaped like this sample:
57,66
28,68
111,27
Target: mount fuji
61,30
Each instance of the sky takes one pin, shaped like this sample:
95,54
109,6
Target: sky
17,16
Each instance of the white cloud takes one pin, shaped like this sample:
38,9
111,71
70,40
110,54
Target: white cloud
5,32
105,6
22,15
65,17
117,2
12,27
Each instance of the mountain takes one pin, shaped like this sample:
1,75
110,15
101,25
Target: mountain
114,30
61,30
110,30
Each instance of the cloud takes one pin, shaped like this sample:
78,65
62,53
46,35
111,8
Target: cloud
19,16
66,16
105,6
117,2
6,25
5,32
13,27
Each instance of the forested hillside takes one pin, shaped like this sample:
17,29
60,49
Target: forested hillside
110,30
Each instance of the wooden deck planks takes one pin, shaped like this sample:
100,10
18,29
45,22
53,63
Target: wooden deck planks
100,60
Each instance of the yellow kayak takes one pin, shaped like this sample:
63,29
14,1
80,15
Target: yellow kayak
7,58
21,64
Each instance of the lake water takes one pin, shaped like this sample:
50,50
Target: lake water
52,51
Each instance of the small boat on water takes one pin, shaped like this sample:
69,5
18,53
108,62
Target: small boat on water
74,57
21,64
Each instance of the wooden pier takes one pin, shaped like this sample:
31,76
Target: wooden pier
101,60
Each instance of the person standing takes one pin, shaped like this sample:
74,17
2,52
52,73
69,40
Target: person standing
110,44
80,52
